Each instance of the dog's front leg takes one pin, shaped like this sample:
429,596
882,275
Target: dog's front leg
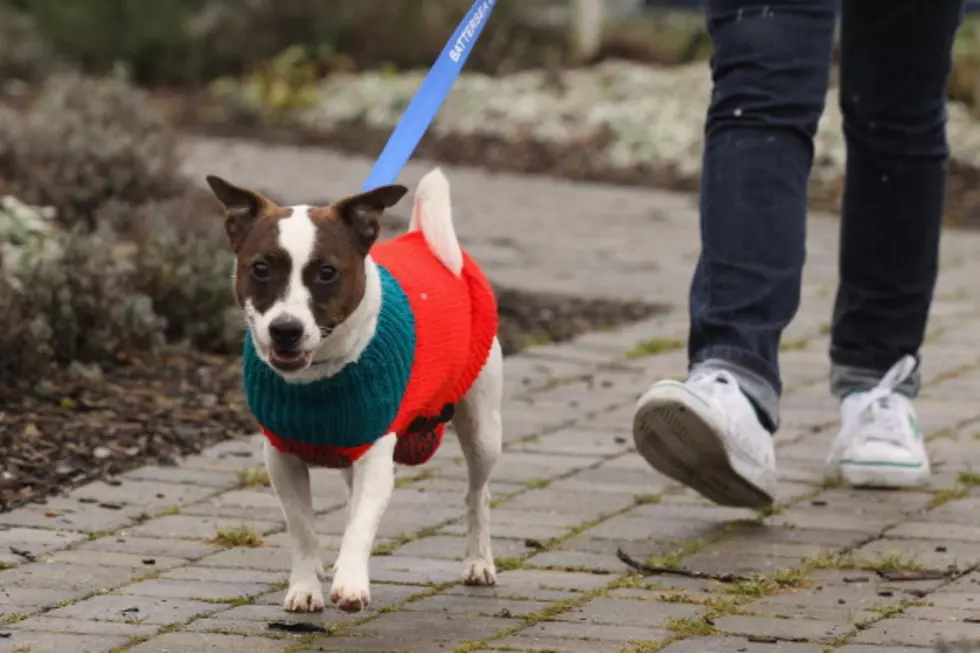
373,480
291,480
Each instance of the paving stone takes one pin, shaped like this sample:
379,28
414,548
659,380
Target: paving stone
44,642
410,626
44,623
69,578
932,553
646,614
381,644
150,547
525,524
221,575
524,642
116,559
502,591
596,562
37,541
584,505
786,629
576,441
73,515
210,643
191,527
146,494
484,606
383,595
405,569
166,588
915,632
742,645
135,609
603,632
864,648
627,527
453,547
183,476
37,598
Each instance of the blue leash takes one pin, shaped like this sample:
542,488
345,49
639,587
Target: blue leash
430,96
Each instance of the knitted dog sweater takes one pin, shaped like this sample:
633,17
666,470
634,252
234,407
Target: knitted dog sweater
433,337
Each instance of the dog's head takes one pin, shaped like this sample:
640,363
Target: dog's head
300,270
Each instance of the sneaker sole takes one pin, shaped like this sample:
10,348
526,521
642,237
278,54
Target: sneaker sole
679,443
870,475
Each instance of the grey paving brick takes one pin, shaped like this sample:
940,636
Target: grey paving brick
453,547
150,547
44,642
136,609
785,629
624,612
483,606
619,634
167,588
71,514
70,578
146,494
539,644
210,643
192,527
740,644
44,623
116,559
412,626
915,632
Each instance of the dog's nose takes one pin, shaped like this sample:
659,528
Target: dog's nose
285,332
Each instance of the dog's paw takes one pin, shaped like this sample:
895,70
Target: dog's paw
304,596
351,590
478,571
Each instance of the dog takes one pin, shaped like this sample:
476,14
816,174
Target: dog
357,354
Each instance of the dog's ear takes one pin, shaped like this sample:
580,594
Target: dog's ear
362,213
242,208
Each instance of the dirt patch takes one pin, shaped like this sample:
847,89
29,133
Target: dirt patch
80,426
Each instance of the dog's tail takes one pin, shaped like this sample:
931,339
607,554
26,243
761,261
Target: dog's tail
433,215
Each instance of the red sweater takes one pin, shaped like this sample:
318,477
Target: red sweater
455,322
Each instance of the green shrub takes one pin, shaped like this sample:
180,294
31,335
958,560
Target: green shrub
24,54
127,256
86,142
195,41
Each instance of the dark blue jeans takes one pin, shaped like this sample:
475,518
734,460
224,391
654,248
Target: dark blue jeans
770,68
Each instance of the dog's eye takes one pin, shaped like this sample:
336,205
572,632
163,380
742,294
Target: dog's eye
326,274
261,271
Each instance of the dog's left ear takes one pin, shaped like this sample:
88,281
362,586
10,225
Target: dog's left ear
242,208
362,213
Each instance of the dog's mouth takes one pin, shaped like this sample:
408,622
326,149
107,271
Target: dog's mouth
289,361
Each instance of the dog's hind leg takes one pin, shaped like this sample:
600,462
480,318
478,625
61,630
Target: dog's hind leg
290,478
480,429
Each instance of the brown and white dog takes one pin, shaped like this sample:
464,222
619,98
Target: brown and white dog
305,274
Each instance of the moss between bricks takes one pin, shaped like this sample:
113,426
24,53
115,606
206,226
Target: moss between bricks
653,347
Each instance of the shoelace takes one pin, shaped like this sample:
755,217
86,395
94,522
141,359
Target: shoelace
879,407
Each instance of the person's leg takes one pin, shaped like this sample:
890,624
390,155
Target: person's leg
770,70
896,58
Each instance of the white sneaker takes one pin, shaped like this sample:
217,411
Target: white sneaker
880,443
705,434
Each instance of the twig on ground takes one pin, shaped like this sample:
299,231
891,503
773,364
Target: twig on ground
652,570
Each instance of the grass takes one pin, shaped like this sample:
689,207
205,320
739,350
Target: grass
252,477
794,344
969,478
884,562
691,627
644,499
673,559
653,347
945,496
238,536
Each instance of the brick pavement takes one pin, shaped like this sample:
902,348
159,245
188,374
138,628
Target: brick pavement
193,559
